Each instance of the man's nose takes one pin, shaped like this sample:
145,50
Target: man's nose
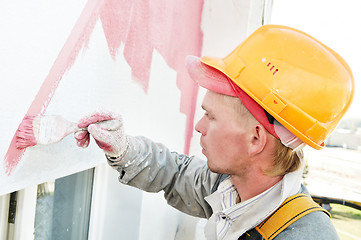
200,127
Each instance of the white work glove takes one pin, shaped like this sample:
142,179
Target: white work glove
109,135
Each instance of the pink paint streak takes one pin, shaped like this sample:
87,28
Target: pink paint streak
25,135
78,38
170,27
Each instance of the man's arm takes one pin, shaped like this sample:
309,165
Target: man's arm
152,167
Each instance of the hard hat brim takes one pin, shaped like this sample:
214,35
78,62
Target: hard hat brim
208,77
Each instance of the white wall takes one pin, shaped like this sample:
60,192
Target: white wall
33,35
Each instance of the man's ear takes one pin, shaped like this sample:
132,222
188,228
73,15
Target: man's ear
258,140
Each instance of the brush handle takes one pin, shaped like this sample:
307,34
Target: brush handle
52,129
110,125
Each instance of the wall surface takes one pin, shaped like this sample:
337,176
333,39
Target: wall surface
127,57
70,58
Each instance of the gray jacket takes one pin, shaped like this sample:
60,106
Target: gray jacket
186,181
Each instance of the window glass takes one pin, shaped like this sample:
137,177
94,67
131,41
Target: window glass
63,207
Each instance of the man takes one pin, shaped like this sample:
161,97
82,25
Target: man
277,91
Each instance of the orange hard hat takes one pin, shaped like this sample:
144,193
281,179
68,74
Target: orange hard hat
302,83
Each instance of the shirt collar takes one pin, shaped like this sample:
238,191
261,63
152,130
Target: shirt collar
248,214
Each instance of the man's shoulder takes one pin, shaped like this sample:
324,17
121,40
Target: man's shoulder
315,225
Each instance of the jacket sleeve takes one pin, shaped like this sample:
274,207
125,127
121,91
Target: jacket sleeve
152,167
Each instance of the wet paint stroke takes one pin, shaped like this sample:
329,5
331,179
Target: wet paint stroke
170,27
78,38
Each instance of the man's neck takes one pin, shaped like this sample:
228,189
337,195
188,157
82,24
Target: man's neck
251,186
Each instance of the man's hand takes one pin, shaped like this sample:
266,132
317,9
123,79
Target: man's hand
109,137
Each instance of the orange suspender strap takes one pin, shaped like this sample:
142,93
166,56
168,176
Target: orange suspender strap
292,209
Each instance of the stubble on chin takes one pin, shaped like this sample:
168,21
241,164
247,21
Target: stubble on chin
213,168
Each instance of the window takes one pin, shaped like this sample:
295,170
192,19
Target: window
63,207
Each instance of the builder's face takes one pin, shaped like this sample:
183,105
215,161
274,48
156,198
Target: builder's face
223,135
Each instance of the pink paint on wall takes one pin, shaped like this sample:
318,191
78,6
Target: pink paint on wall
78,38
171,27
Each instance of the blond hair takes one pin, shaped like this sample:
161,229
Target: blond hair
284,161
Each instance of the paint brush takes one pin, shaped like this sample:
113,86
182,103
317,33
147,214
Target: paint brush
51,129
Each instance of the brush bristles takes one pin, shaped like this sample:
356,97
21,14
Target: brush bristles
27,133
